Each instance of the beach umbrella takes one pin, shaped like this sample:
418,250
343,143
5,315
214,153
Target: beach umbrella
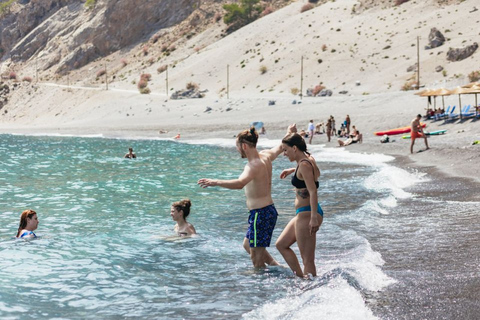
427,93
474,90
459,91
257,124
442,92
472,84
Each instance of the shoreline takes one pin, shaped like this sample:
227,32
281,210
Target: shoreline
442,160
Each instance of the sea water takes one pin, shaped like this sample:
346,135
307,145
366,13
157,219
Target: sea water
105,247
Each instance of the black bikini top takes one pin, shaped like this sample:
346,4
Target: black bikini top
300,184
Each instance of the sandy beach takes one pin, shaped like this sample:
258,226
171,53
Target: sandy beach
113,115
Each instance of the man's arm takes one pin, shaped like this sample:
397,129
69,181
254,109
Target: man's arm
276,151
246,176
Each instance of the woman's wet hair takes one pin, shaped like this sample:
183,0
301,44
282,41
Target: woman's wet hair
183,205
27,214
249,136
294,139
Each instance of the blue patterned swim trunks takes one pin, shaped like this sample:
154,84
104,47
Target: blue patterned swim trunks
261,224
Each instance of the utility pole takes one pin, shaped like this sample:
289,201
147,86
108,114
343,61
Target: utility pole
228,81
301,80
418,63
166,80
106,77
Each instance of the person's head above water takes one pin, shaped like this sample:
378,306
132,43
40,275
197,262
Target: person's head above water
28,221
180,209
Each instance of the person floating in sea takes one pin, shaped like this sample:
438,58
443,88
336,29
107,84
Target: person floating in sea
256,178
28,223
417,132
179,212
309,215
130,154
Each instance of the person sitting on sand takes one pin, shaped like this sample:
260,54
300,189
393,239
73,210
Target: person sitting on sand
319,128
130,154
303,134
28,223
179,212
355,137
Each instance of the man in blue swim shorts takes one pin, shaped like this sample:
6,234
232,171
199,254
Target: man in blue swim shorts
261,224
256,178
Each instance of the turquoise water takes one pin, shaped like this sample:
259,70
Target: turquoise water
101,251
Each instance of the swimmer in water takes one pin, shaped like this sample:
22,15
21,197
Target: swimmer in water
130,154
179,212
28,223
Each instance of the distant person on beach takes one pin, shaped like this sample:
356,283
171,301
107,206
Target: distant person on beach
179,212
28,223
130,154
256,178
309,215
417,132
347,124
303,134
329,129
334,133
319,128
311,131
354,138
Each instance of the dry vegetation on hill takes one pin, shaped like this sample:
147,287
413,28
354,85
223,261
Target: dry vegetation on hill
343,42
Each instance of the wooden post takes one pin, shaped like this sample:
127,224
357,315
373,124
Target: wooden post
106,77
228,81
301,79
418,63
166,80
36,69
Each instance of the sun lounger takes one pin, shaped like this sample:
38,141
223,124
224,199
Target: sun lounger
443,115
449,114
465,113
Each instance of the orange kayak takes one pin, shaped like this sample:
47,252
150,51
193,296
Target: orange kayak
401,130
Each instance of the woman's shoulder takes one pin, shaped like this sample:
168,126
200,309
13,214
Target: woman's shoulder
26,233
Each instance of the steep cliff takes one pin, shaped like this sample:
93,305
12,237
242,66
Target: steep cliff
67,35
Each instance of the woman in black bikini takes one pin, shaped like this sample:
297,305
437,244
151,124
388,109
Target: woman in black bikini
303,227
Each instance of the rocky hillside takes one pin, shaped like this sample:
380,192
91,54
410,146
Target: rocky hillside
343,43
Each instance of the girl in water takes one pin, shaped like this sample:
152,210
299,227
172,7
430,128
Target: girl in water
179,212
309,215
28,223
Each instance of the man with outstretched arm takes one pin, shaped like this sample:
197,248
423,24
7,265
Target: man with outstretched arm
256,178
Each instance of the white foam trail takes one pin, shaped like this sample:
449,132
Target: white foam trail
98,135
393,180
337,300
340,155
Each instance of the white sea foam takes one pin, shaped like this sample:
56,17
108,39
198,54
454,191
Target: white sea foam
340,155
98,135
393,180
336,300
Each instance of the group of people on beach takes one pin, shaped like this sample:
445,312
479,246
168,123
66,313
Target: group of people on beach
256,179
350,135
